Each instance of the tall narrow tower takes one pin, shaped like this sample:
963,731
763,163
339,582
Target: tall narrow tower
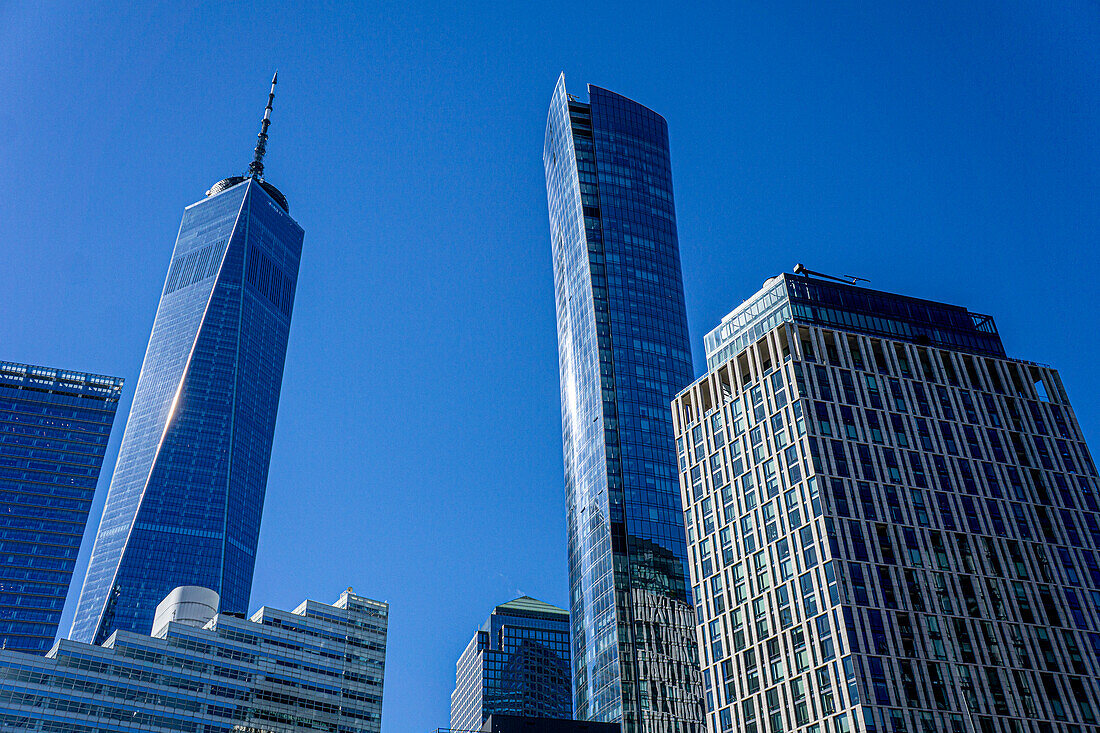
623,355
188,488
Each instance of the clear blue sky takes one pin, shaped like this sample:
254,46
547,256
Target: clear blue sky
944,150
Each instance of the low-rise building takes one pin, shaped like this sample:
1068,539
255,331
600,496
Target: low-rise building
319,667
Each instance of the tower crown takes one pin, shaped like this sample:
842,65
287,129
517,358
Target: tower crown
256,167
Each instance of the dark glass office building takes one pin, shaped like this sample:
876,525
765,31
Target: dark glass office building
188,489
623,355
516,664
54,427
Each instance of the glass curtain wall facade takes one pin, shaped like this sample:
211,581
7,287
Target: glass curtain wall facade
888,531
516,664
54,428
188,489
623,355
319,668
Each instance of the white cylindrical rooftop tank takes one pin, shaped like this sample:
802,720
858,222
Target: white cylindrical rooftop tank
192,605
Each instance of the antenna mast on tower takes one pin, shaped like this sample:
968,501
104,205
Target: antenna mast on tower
256,167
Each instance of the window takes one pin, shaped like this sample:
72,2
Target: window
809,546
824,426
900,436
794,467
809,595
873,423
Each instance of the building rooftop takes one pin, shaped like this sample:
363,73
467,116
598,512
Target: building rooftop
527,605
227,183
319,667
822,302
48,379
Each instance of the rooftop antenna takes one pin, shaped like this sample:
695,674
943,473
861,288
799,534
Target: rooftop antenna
801,269
256,167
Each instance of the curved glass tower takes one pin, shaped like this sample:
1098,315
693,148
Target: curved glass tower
623,355
188,488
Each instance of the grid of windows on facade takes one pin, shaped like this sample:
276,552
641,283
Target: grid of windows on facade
890,537
187,493
623,354
319,667
516,664
54,428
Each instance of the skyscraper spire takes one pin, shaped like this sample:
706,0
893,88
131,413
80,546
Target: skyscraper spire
256,167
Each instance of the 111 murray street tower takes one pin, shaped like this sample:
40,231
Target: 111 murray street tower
188,489
623,354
